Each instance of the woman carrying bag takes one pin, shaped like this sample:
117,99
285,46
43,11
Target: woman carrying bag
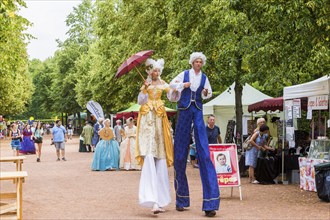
258,142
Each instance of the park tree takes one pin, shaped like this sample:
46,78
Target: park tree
41,73
15,82
126,27
174,29
84,66
267,44
123,28
64,96
292,44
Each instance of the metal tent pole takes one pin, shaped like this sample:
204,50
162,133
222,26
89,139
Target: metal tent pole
283,141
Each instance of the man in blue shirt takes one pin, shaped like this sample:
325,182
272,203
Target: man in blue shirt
213,131
59,137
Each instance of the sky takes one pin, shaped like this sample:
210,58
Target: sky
48,18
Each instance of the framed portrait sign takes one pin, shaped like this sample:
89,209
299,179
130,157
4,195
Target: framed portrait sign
225,160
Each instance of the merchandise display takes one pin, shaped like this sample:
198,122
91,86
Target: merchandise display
319,149
229,138
318,153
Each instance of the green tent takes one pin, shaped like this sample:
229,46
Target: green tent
83,115
133,111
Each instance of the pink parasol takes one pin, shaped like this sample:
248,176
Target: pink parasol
132,62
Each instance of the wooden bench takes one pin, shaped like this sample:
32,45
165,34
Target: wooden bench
18,177
16,159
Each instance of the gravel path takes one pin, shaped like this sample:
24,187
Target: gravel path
70,190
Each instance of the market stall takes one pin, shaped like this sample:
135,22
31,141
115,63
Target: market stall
223,107
265,105
317,93
319,153
270,167
133,112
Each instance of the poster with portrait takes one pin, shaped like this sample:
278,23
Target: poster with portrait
224,158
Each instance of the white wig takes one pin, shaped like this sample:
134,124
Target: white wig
155,64
260,120
129,121
197,55
106,122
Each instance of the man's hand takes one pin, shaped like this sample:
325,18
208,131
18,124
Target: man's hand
187,84
205,92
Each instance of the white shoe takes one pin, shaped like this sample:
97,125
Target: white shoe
256,182
156,209
127,166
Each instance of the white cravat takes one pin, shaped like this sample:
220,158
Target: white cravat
194,79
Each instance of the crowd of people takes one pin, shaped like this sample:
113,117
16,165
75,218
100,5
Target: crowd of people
27,138
149,144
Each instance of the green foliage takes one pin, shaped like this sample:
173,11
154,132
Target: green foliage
66,77
290,44
269,44
15,82
42,80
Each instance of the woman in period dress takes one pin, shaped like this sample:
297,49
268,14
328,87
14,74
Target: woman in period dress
106,156
27,145
127,147
154,146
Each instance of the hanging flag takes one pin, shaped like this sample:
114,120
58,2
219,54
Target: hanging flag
96,109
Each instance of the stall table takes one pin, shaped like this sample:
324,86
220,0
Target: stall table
16,159
307,172
267,169
18,177
318,153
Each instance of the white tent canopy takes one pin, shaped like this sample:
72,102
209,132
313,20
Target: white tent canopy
320,86
223,106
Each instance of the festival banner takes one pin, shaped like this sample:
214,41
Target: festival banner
224,158
96,109
318,102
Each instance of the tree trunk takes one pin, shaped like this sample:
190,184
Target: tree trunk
79,122
88,116
239,112
238,103
74,123
66,119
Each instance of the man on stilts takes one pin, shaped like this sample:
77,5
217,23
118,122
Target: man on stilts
194,86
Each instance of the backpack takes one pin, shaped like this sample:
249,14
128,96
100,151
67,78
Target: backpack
246,144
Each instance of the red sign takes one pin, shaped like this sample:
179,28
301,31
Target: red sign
224,158
318,102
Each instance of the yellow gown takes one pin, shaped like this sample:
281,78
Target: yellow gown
153,128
